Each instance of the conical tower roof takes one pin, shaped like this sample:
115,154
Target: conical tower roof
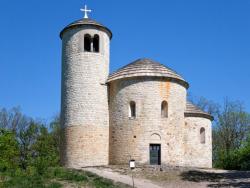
87,22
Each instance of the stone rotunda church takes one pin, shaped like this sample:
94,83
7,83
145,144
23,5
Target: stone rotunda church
140,111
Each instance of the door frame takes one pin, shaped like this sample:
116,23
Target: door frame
159,153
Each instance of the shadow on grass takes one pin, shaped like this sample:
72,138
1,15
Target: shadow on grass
198,176
228,179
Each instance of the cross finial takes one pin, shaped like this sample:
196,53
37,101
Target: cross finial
85,10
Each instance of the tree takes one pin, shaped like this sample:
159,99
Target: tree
36,144
27,137
233,126
25,130
13,119
244,155
56,132
9,150
206,105
230,136
45,149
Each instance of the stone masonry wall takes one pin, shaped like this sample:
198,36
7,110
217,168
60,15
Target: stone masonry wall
81,146
84,100
131,137
197,154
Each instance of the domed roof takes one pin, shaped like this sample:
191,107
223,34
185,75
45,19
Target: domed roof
88,22
194,111
146,67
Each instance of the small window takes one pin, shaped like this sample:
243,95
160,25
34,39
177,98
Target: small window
96,45
164,109
87,43
202,135
132,109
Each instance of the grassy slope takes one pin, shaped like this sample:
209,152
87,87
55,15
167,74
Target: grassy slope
56,178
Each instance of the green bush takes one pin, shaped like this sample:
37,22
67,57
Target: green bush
45,151
244,156
9,151
238,159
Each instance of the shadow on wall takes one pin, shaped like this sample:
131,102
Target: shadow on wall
228,179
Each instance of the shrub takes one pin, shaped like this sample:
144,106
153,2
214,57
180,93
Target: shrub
9,151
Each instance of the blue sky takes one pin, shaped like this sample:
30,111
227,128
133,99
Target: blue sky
207,42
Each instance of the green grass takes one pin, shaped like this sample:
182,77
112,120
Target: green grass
100,182
26,182
55,178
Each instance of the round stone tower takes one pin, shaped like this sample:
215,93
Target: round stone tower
157,95
84,96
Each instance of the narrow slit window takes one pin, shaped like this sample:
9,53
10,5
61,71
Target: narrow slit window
202,135
96,43
132,109
164,109
87,43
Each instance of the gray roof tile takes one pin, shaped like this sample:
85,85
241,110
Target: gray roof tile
89,22
146,67
194,111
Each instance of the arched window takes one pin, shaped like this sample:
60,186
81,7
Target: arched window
202,135
132,109
96,44
164,109
87,43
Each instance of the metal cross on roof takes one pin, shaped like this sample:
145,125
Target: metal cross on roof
85,10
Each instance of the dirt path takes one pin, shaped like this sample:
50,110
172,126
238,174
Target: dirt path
115,176
174,178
